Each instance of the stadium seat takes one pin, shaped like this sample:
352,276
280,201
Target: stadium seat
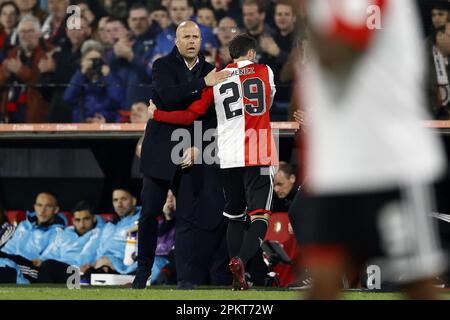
280,230
15,216
69,217
107,216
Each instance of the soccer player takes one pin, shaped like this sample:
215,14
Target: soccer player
247,152
369,161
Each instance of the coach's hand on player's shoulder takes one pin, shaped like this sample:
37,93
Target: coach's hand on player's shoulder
151,109
189,157
216,77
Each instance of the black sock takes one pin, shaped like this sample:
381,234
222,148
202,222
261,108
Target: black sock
235,235
253,239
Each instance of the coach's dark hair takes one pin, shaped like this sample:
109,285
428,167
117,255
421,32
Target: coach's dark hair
83,206
241,44
287,169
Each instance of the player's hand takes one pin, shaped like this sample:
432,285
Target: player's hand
103,262
299,117
84,267
216,77
189,157
151,109
36,262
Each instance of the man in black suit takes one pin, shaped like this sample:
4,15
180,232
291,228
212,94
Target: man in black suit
178,80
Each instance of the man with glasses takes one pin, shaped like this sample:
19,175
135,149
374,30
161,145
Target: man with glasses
21,255
227,29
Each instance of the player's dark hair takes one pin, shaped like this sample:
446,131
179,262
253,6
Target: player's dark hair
241,44
83,206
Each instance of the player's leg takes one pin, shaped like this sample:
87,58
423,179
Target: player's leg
259,192
414,257
234,210
258,184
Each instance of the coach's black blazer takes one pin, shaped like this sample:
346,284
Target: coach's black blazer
175,87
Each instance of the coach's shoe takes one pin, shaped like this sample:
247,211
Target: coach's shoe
238,271
141,278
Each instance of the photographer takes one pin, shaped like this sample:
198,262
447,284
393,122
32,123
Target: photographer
94,91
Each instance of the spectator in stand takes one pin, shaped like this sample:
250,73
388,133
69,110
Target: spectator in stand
139,113
438,85
131,57
21,101
275,52
439,15
31,7
226,8
161,16
74,246
94,91
180,11
116,8
111,250
54,27
20,255
58,68
101,34
254,15
6,228
226,31
86,11
205,16
116,29
285,187
9,18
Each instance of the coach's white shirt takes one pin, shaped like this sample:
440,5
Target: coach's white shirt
372,138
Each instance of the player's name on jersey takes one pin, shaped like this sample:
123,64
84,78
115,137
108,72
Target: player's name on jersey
243,71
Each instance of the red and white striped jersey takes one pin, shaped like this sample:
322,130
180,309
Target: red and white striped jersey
243,116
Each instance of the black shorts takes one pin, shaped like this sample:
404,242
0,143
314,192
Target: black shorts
391,229
247,190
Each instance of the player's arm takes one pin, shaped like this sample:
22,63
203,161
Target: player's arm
273,88
184,117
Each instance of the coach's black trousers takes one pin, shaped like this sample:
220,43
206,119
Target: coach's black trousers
52,271
153,198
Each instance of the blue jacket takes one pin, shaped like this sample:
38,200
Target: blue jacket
88,99
70,248
113,241
166,40
136,74
30,241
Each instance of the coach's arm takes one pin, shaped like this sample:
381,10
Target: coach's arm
171,92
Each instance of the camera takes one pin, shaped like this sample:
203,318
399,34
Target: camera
97,65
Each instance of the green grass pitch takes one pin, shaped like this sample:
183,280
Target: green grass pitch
42,292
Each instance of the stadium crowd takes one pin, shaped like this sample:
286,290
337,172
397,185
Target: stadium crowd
60,69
